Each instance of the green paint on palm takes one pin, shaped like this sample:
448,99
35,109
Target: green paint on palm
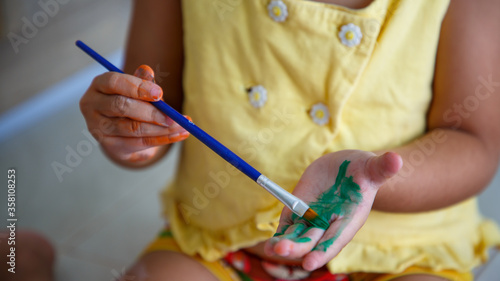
339,200
340,197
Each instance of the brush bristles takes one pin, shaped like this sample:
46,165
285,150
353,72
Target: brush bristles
311,216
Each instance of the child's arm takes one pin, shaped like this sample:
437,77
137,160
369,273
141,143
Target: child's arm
463,155
155,38
131,131
464,152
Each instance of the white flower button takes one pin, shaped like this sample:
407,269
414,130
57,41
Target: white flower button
319,113
277,10
257,96
350,35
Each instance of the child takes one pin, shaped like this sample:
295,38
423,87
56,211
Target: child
328,99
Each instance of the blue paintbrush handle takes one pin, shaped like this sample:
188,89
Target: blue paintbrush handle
298,206
208,140
198,133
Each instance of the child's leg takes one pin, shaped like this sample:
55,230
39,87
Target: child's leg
420,277
167,265
34,257
415,273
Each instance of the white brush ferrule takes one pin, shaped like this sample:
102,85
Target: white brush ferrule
297,206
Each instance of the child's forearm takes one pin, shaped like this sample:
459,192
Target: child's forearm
155,39
459,161
440,169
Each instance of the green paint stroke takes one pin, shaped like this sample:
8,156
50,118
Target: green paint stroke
302,240
318,221
297,230
339,200
295,235
323,246
282,231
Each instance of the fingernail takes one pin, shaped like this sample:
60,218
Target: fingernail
156,93
178,137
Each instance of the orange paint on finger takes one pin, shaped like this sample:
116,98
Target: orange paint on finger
145,72
183,136
137,157
145,90
162,140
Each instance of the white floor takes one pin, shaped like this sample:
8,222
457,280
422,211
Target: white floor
98,216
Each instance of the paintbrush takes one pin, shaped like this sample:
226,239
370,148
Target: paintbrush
299,207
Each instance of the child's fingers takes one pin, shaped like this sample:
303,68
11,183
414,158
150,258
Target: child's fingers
327,247
294,241
283,229
340,232
289,232
125,146
381,168
121,106
127,85
269,245
126,127
297,247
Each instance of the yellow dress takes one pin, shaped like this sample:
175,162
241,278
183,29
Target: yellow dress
284,82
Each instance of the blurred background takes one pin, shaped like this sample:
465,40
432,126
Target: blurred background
98,216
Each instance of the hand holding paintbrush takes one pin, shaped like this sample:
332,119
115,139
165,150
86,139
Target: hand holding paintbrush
297,206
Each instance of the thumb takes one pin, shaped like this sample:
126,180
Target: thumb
145,72
381,168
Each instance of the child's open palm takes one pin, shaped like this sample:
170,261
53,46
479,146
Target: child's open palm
340,187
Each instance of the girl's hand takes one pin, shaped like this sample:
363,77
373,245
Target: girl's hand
118,114
340,187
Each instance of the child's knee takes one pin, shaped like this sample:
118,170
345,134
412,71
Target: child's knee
167,265
420,277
